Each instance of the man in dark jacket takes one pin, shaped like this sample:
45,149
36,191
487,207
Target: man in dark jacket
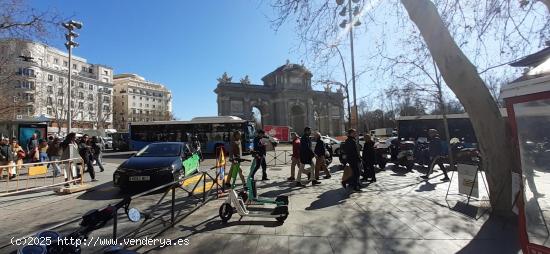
369,157
85,151
353,158
306,157
259,148
436,154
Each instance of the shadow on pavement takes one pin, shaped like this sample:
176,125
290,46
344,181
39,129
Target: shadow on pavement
328,199
507,231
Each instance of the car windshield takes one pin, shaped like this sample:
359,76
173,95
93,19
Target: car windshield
160,150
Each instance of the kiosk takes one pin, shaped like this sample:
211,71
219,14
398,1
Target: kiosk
528,105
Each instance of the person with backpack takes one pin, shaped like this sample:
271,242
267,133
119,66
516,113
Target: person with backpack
260,149
85,151
320,152
97,152
306,157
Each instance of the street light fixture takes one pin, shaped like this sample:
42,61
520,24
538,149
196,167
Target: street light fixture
352,12
70,44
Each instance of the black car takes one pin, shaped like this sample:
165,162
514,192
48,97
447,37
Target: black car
156,164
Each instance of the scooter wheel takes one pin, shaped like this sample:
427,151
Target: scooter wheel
282,218
225,212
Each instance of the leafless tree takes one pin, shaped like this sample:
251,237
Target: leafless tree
19,20
461,39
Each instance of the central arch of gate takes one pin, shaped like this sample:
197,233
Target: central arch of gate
286,98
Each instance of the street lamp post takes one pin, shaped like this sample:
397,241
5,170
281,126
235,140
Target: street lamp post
351,24
70,44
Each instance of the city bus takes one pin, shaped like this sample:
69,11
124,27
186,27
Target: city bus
211,132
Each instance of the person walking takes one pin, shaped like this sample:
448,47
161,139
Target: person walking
369,157
351,151
435,149
42,149
320,151
306,157
18,153
69,147
85,151
260,149
295,157
236,153
97,152
32,148
6,159
54,154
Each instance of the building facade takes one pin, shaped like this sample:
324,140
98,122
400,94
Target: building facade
139,100
286,98
34,83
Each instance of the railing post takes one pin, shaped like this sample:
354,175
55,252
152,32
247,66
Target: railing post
203,186
173,202
115,221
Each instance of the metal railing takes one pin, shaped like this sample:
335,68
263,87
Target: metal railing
39,175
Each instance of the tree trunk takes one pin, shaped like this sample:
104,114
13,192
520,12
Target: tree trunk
463,79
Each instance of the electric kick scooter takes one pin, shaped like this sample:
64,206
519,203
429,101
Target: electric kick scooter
239,201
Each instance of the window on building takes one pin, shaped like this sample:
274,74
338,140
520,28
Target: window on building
153,105
80,85
90,70
80,95
72,82
60,80
56,60
50,111
80,105
50,77
106,72
75,66
50,89
106,80
140,98
59,102
65,64
90,106
105,108
91,87
49,100
84,69
90,97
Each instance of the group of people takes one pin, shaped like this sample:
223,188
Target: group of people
304,153
53,149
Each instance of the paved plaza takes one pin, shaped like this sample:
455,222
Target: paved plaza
400,213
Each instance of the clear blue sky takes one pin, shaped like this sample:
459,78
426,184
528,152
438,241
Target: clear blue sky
184,45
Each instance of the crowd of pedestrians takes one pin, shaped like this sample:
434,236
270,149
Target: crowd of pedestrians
52,150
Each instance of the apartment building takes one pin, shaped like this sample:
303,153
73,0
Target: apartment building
139,100
34,79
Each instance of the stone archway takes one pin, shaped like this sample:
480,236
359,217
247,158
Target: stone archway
298,119
257,117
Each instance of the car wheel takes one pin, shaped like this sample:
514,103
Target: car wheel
226,211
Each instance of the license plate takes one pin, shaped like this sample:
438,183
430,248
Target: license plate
139,178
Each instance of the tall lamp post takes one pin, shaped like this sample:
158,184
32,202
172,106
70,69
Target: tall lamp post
70,44
351,13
